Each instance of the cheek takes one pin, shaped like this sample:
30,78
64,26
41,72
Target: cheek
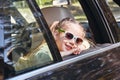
60,44
59,39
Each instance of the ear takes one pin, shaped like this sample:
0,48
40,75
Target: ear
52,28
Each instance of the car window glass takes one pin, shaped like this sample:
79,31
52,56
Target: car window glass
28,49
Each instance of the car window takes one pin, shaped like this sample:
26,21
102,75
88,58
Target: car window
75,9
29,49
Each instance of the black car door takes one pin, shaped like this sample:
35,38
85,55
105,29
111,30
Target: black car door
99,62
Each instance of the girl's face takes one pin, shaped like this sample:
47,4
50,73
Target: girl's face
71,38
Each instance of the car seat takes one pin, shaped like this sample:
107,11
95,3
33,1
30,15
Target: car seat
54,13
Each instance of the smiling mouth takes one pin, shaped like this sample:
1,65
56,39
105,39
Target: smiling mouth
68,47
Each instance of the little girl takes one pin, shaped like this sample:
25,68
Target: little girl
69,36
70,39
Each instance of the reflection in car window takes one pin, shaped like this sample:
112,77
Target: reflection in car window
29,49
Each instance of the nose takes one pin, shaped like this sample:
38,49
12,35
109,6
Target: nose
72,43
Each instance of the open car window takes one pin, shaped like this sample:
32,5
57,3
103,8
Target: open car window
76,10
57,10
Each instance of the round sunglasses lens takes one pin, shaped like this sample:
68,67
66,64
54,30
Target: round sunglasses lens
69,35
78,40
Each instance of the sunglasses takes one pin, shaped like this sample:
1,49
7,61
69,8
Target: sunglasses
70,36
